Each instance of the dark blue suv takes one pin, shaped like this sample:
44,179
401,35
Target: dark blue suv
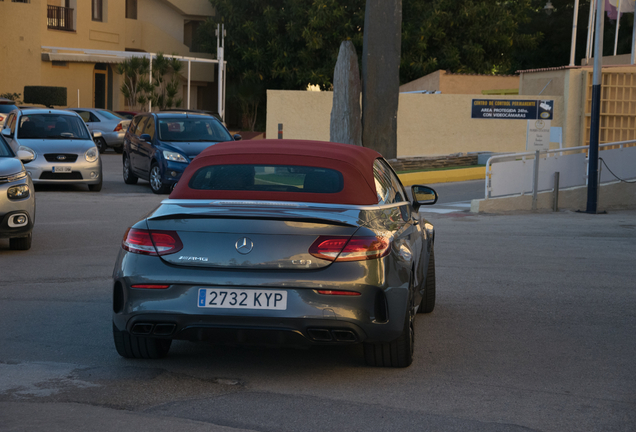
159,146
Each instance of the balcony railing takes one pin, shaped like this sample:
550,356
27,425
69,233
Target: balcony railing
59,18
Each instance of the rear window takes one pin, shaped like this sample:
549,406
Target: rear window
268,178
6,108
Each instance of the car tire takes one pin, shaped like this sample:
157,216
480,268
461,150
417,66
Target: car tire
156,184
428,299
398,353
119,149
135,347
20,243
101,145
129,177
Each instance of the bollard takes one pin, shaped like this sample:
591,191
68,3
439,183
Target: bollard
555,205
280,131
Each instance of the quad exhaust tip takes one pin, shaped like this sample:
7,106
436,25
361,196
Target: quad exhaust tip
147,329
326,335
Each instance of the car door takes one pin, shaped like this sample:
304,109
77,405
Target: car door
410,234
145,149
135,140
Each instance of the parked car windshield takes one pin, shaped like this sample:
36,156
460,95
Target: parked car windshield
6,108
5,150
270,178
186,129
52,126
110,115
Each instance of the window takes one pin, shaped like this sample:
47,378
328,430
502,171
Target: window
51,127
268,178
387,186
192,129
139,129
98,9
149,127
131,9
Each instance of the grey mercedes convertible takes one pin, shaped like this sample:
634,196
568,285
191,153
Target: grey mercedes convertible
279,242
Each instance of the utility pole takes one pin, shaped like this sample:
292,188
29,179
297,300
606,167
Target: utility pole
592,169
220,46
574,28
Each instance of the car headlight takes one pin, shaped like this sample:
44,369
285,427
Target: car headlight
91,154
174,156
18,192
28,149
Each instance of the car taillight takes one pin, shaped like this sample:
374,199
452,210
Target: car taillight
118,128
147,242
339,248
1,118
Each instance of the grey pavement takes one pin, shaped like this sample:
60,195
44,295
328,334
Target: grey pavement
533,330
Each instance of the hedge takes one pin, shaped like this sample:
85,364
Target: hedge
45,95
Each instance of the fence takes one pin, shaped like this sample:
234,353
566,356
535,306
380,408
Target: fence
513,174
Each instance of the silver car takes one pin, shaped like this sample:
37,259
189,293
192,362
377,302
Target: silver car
17,199
111,125
61,145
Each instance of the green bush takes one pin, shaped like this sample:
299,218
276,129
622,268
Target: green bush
45,95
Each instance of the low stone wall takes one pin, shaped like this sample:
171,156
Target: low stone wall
611,196
428,162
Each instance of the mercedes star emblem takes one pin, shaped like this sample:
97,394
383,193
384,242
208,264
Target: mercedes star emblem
244,246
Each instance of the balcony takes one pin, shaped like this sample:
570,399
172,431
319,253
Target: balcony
59,18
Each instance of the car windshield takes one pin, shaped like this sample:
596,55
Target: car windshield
52,126
5,150
6,108
110,115
192,130
271,178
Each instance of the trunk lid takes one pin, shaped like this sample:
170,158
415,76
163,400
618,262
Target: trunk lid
248,237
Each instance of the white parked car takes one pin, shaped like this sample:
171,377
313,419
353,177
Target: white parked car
61,144
111,125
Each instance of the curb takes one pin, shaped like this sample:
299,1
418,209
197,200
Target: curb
447,176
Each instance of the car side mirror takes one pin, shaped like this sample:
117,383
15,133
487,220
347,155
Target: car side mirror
25,156
237,137
423,195
96,135
145,137
6,132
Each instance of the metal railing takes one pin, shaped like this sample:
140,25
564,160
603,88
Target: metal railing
548,155
59,18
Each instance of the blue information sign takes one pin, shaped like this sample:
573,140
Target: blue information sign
501,109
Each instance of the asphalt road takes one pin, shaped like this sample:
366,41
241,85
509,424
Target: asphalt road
533,330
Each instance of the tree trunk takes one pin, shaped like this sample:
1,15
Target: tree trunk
381,75
346,126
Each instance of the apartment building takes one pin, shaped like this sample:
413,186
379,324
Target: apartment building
77,44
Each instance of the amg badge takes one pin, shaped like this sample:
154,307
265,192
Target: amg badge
191,258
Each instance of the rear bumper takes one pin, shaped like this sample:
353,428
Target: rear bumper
377,315
114,139
246,330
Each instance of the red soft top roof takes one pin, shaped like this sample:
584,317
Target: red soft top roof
354,162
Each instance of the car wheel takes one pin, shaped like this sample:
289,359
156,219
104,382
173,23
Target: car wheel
119,149
398,353
129,177
155,181
135,347
101,144
428,299
20,243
